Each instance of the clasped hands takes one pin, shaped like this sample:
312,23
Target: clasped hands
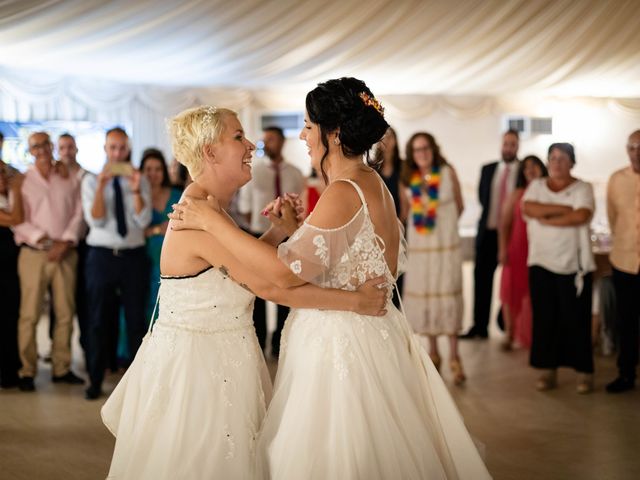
285,213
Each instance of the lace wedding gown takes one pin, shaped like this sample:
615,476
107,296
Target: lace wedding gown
356,397
193,400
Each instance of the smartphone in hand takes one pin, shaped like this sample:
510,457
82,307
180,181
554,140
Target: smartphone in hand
122,169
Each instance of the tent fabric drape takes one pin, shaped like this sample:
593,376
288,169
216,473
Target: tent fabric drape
472,47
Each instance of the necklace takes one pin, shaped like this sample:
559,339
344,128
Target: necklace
424,219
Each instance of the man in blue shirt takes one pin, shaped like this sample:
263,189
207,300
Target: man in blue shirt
117,209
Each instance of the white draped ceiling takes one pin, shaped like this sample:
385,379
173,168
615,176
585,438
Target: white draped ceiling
471,47
140,61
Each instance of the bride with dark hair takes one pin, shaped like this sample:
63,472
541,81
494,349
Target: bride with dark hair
355,396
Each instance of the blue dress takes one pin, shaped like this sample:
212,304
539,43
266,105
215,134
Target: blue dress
154,248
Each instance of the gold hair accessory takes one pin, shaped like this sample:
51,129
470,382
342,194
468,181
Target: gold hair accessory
210,111
372,102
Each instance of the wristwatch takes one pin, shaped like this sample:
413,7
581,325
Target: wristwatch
46,244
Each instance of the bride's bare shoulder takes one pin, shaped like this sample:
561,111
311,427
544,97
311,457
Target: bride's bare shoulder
337,205
179,255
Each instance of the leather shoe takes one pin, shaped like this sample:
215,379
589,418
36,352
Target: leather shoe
69,377
621,384
93,392
26,384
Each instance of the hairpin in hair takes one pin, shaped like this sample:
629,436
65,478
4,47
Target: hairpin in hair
210,111
370,101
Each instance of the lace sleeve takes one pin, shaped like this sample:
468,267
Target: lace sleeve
316,254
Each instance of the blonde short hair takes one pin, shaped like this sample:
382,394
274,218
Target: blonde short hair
191,130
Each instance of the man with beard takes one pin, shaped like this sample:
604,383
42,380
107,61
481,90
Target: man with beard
497,181
270,179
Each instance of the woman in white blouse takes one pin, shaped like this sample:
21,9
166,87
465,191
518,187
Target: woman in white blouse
558,210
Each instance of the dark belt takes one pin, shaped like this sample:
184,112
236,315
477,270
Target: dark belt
41,249
120,252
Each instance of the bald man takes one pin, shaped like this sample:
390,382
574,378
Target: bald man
623,208
117,208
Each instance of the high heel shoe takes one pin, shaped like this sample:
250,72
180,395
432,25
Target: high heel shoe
457,371
507,344
437,361
585,383
547,381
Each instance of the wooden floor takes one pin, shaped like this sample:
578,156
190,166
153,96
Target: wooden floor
55,434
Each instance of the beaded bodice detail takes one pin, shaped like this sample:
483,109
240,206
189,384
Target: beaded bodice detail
210,301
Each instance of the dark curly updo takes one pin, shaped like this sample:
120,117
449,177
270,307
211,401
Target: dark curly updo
338,104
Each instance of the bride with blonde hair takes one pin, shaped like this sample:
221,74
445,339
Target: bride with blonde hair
192,402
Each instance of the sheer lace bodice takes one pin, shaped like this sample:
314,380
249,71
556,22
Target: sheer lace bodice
343,257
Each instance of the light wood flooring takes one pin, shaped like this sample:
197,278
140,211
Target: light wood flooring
54,434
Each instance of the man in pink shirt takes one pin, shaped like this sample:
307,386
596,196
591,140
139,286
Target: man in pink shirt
47,237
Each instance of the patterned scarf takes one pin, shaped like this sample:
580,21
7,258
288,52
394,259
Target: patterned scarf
425,222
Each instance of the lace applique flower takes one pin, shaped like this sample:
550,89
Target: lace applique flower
322,249
296,267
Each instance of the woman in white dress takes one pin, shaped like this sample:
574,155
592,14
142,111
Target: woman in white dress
355,396
433,280
191,404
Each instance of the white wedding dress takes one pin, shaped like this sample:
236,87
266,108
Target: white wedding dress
356,397
194,398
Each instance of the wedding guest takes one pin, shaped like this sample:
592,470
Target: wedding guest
388,157
497,181
314,188
179,175
558,210
512,255
163,195
270,179
117,207
11,214
67,155
623,208
48,237
433,280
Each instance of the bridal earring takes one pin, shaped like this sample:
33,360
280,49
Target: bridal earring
336,141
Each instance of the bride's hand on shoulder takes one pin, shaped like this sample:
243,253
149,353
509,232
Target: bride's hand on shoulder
195,213
371,297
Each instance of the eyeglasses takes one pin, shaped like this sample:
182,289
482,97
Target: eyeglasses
422,149
38,146
633,146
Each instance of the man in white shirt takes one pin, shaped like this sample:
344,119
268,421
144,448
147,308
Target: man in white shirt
117,208
270,179
497,181
67,155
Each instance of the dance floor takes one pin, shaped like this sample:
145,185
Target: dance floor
56,434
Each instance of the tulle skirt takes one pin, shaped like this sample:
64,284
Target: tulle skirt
190,406
357,398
